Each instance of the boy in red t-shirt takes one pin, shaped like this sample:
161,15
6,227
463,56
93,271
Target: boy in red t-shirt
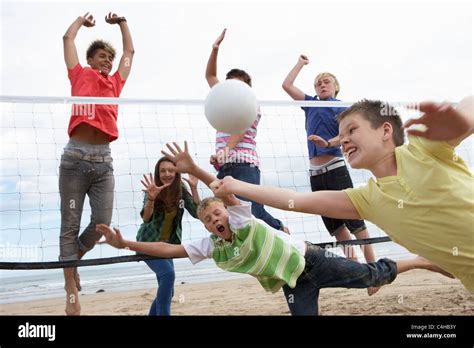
86,165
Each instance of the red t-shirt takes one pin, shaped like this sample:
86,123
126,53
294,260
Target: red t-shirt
87,82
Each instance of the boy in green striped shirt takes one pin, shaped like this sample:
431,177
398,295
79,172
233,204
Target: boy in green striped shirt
241,243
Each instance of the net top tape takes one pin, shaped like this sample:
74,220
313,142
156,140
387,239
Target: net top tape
148,101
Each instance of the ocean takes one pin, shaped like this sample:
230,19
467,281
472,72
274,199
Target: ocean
42,284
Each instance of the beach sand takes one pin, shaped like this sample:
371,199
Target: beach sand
413,293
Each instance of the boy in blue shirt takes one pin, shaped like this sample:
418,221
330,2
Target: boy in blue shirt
328,169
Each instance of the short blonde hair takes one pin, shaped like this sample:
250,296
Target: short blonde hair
205,203
327,74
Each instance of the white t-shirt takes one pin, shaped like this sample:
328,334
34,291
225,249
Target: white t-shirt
239,217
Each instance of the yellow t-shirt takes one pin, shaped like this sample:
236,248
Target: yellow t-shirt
167,225
427,207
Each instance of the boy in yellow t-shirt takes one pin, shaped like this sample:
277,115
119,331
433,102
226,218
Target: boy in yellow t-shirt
423,193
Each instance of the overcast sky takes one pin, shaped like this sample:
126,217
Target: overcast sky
403,51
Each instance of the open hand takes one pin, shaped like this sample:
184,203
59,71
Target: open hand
150,187
112,237
191,180
181,159
442,120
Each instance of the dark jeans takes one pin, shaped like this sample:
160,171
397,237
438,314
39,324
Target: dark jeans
326,270
251,174
78,178
336,180
164,270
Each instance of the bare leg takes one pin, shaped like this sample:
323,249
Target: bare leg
72,297
77,278
421,263
368,255
349,251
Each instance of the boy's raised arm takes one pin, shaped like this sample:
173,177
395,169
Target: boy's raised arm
288,85
444,122
125,64
70,51
211,67
335,204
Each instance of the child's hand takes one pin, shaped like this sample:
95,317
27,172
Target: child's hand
318,141
303,59
88,20
224,187
112,237
182,159
150,187
191,180
219,39
443,122
112,18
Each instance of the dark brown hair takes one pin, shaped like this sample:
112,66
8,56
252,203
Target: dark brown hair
377,113
99,45
170,196
239,74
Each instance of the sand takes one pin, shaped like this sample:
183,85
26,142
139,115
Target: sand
413,293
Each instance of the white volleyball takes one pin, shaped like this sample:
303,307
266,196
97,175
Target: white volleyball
231,106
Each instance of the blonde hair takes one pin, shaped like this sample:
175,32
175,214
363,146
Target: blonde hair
205,203
327,74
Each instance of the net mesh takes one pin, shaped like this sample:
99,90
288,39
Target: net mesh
34,133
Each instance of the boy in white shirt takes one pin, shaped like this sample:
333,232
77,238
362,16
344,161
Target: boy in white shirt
241,243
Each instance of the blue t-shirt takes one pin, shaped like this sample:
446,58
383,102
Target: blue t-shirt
322,122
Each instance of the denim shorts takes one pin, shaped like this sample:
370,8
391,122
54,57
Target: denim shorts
336,180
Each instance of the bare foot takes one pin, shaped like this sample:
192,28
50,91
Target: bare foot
77,278
285,229
372,290
72,301
426,264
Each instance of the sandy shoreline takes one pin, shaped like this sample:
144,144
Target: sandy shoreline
412,293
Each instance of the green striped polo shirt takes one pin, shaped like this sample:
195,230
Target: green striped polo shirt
258,251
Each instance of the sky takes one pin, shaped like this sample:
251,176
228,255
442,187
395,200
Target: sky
403,51
400,52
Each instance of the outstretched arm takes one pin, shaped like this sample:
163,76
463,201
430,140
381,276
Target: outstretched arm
321,142
335,204
185,164
70,51
445,123
160,249
288,86
211,68
128,51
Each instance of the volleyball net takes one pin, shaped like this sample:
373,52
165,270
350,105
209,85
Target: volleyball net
34,133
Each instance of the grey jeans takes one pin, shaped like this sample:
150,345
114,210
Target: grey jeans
85,169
